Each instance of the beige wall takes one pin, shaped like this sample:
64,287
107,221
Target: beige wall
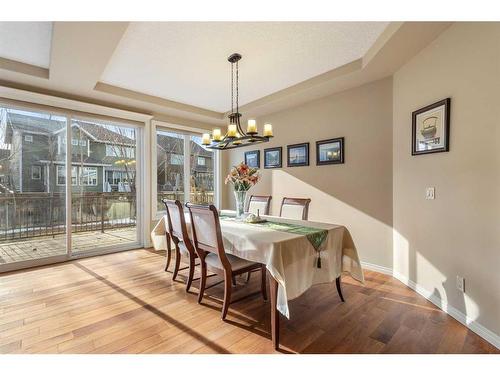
357,194
458,233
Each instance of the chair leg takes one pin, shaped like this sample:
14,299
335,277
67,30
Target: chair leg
339,289
177,262
203,279
227,294
233,279
169,252
248,277
169,255
263,286
191,271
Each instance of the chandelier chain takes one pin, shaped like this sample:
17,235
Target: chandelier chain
237,88
232,88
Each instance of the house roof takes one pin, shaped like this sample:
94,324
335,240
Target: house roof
97,132
103,134
34,124
175,145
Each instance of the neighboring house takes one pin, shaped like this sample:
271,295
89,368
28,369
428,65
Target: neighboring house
103,157
170,162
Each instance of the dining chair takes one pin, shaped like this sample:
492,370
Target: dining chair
259,202
295,208
178,233
207,238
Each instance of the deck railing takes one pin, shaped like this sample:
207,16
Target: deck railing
198,197
27,215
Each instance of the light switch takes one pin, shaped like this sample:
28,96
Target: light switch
429,193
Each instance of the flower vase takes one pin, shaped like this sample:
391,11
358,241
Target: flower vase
240,197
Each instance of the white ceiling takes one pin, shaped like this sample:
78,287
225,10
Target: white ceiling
187,62
27,42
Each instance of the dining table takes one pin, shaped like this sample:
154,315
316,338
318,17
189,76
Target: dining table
298,254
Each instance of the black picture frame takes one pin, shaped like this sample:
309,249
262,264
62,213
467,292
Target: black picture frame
257,158
297,146
433,131
337,143
280,157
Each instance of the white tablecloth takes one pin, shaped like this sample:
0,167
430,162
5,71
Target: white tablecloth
290,258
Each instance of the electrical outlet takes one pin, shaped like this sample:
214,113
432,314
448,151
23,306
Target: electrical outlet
461,284
429,193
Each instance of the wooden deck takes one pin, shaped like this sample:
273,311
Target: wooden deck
126,303
42,247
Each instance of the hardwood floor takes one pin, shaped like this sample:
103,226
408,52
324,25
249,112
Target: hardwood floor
126,303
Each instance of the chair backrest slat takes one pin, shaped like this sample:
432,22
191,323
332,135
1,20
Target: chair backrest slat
176,222
207,234
259,202
295,208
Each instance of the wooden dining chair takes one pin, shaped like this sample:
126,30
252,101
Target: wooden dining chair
178,233
295,208
259,202
207,238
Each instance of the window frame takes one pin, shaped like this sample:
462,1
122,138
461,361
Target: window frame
187,132
39,168
81,176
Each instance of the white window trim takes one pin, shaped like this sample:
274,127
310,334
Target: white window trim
28,138
65,179
33,167
69,108
186,130
80,173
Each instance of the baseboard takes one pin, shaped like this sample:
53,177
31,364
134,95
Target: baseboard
377,268
474,326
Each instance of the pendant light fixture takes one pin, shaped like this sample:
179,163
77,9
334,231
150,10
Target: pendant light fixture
235,136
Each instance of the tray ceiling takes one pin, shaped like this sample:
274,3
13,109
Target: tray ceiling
26,42
187,62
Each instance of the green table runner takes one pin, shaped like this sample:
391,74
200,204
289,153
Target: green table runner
316,236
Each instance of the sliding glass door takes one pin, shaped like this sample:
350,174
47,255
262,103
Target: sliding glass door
69,187
32,193
104,186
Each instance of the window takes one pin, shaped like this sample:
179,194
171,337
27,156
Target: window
169,167
201,172
182,175
36,172
120,151
61,175
81,142
176,159
117,177
88,176
28,138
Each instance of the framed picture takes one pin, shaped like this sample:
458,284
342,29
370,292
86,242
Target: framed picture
298,155
431,128
252,158
330,151
272,157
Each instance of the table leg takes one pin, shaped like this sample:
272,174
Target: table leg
275,315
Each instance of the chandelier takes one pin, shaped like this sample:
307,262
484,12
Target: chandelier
235,136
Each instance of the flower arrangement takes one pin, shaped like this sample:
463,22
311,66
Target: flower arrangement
242,177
